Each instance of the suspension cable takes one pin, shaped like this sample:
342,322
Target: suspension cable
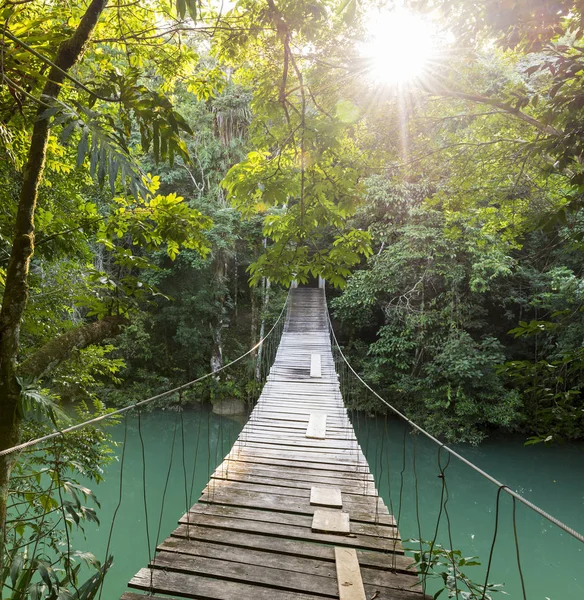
125,409
575,534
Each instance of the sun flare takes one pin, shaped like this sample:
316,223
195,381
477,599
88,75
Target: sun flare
399,46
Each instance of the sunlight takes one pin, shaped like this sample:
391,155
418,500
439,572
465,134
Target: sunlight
400,46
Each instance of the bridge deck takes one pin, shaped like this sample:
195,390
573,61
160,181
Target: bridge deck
251,535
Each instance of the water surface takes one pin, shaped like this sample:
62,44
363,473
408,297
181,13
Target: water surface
552,477
207,439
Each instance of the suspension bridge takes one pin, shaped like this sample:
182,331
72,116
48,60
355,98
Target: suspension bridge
292,512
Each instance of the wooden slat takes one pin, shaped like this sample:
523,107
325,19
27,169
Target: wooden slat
349,580
289,504
298,561
315,365
386,530
203,588
378,561
316,426
331,521
321,496
278,530
267,574
293,480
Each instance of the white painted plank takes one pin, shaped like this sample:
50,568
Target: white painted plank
316,426
349,574
330,497
331,521
315,365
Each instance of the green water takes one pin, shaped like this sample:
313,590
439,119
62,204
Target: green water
208,438
550,477
553,478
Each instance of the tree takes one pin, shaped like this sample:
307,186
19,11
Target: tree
480,161
303,174
47,51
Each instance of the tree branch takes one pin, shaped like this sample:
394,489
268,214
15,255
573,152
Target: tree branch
16,287
504,106
59,349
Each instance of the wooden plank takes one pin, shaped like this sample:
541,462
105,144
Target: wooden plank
248,455
289,471
322,565
278,530
245,572
328,460
315,365
316,426
322,496
356,499
349,580
379,562
295,564
321,446
132,596
271,441
204,588
387,530
367,508
295,430
331,521
361,488
284,504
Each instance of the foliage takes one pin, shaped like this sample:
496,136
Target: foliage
37,403
432,353
434,561
48,502
182,162
303,175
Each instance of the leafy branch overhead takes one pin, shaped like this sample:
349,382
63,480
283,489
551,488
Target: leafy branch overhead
303,175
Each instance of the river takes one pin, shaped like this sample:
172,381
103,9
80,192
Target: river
552,477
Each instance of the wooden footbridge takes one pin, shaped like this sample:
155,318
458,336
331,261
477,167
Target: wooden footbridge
292,513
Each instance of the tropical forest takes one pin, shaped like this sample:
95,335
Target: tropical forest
177,178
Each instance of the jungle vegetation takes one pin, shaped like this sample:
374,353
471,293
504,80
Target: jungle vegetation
165,165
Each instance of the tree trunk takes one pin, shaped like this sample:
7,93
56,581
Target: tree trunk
220,269
255,317
266,287
255,309
16,288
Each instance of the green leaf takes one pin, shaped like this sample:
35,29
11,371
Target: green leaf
193,8
83,145
45,576
16,568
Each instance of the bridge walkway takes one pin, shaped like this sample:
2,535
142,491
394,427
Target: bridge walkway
293,507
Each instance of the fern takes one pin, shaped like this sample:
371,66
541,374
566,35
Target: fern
38,403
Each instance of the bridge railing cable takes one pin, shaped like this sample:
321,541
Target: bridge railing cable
500,485
276,327
52,515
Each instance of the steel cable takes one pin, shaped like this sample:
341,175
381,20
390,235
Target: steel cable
493,480
125,409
